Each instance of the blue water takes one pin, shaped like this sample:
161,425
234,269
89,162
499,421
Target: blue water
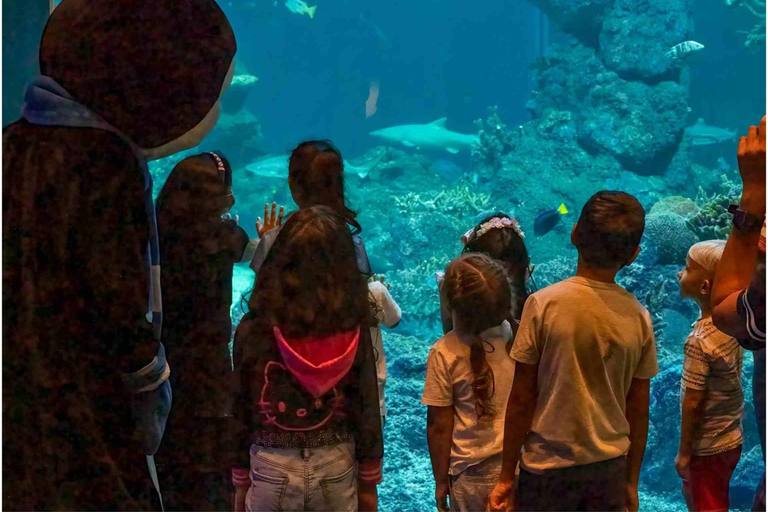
588,115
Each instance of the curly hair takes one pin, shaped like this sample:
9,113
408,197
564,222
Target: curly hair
310,283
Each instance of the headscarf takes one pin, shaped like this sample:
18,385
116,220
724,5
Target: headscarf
151,68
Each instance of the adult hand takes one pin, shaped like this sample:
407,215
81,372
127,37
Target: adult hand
751,157
502,497
631,501
228,216
272,219
376,277
441,497
683,466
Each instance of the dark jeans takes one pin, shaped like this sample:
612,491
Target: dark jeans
598,486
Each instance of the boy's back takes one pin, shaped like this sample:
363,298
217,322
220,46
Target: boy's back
590,339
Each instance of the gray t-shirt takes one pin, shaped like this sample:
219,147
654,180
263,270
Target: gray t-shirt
713,364
590,340
449,383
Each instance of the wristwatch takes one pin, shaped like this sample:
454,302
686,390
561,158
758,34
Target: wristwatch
744,221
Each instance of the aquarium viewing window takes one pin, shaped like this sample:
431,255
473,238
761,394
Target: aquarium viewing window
449,112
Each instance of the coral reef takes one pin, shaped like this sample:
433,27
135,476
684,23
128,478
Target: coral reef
677,205
712,220
655,300
628,99
416,291
637,34
670,235
495,140
456,200
581,18
639,124
407,470
554,270
756,36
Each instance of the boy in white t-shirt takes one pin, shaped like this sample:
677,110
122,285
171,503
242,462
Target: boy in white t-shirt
711,397
388,314
584,355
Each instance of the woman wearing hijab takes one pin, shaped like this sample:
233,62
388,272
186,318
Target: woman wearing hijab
85,381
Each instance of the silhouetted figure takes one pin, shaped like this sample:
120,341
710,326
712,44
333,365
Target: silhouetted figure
198,251
123,82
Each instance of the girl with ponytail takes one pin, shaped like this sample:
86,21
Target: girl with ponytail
469,378
316,178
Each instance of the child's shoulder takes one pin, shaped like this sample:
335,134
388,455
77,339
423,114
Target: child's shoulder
449,345
712,340
575,289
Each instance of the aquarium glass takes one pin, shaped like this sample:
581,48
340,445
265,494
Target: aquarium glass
448,111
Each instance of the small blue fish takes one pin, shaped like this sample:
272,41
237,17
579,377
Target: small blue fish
546,221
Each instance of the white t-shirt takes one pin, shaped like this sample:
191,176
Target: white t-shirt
713,364
388,313
449,382
590,340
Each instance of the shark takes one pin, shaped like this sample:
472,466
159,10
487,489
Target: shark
433,135
701,134
276,167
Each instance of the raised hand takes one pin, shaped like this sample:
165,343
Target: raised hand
376,277
751,157
272,219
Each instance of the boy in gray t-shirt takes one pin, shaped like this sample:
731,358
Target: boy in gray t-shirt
585,353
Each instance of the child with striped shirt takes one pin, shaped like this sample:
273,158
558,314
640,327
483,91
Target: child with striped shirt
711,396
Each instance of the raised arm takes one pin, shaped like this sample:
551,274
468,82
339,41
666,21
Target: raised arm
739,260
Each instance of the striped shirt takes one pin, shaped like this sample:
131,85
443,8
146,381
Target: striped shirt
713,364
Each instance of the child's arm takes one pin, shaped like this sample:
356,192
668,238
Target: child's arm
637,416
521,404
696,368
389,312
238,442
693,402
440,440
445,312
364,413
517,423
737,264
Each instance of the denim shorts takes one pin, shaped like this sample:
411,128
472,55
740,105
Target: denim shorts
303,479
470,489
